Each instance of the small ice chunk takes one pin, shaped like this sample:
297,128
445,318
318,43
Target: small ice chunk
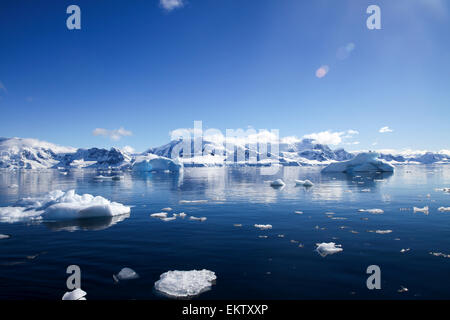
160,215
423,210
277,183
182,215
13,186
381,231
372,211
263,237
298,212
167,209
402,289
125,274
193,201
325,249
4,236
197,219
305,183
440,254
444,209
405,250
237,225
365,190
185,283
263,226
76,294
169,218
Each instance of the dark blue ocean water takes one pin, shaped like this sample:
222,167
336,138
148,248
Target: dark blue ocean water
247,266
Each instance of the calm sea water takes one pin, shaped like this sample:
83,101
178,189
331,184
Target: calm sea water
33,261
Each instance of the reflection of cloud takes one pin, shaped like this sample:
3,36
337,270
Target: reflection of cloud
322,71
112,134
169,5
385,130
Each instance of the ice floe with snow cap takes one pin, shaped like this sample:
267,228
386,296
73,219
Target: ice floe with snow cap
60,205
183,284
125,274
363,162
325,248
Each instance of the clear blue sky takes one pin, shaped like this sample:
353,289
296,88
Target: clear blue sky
229,63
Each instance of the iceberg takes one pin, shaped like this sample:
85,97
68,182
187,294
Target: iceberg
125,274
423,210
59,205
277,183
152,162
181,284
305,183
76,294
363,162
325,248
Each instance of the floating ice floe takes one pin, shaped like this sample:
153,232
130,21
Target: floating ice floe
365,190
193,201
305,183
444,209
440,254
197,219
325,248
182,215
298,212
59,205
125,274
363,162
277,183
372,211
76,294
13,186
238,225
167,209
402,289
173,217
4,236
160,215
263,237
263,226
423,210
381,231
405,250
181,284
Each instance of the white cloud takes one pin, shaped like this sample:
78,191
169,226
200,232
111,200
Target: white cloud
112,134
2,87
169,5
333,138
385,130
322,71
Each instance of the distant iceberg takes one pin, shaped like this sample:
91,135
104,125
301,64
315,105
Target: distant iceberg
363,162
151,162
59,205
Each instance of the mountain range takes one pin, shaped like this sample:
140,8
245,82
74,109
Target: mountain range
20,153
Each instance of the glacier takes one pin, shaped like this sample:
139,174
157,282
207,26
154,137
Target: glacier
363,162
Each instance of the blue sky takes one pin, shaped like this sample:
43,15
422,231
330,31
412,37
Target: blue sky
136,71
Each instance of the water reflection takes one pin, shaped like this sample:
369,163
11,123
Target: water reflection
93,224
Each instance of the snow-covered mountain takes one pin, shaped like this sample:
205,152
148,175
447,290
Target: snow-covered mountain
19,153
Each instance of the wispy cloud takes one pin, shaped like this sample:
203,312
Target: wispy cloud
112,134
333,138
2,87
385,130
170,5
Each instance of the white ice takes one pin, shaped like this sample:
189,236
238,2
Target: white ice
160,215
372,211
423,210
4,236
185,283
152,162
363,162
58,205
263,226
197,219
125,274
305,183
76,294
325,248
444,209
